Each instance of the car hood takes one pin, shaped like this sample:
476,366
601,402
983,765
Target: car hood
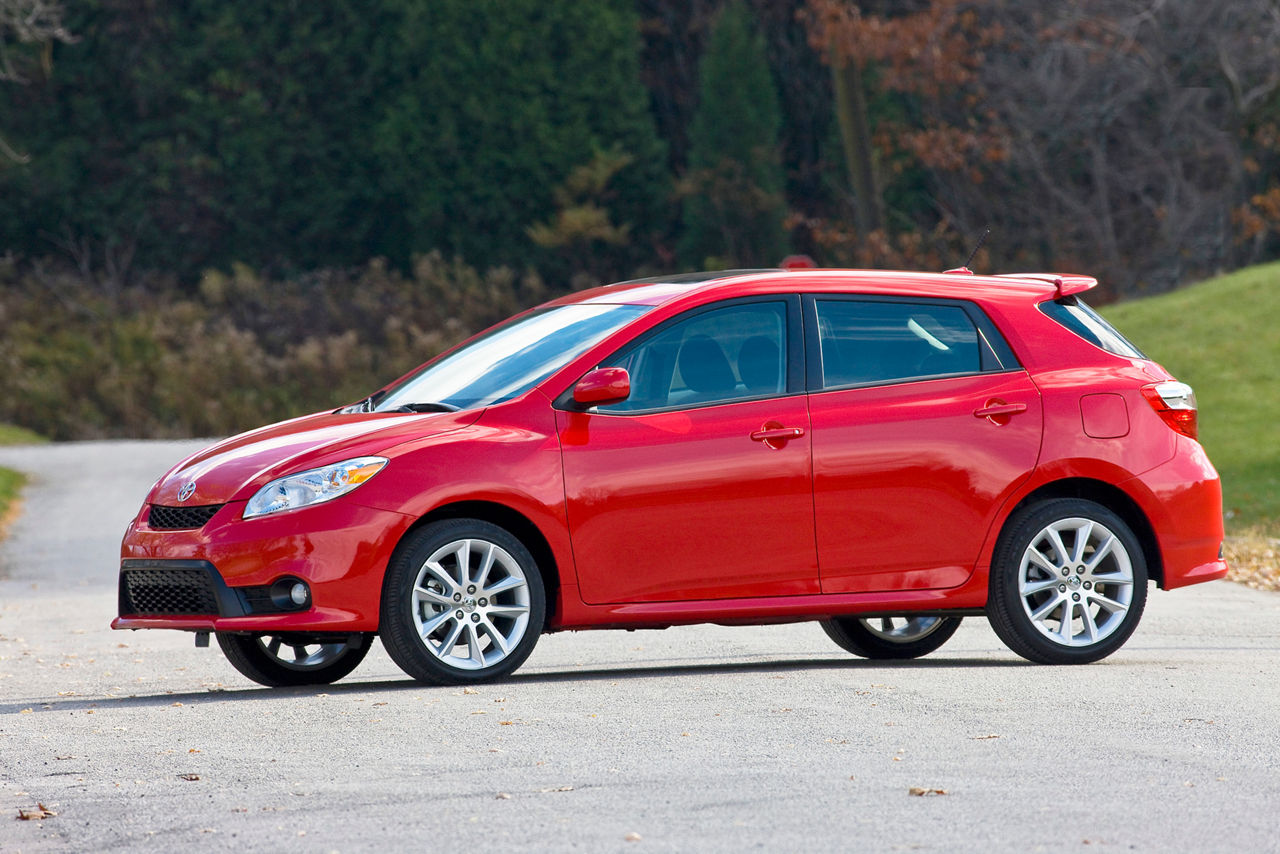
235,468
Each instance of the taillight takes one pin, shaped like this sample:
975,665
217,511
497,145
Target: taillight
1175,402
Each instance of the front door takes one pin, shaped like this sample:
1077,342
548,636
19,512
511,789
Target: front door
698,486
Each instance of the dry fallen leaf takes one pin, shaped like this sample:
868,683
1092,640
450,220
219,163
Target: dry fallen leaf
983,737
40,813
189,777
558,789
470,691
919,792
503,796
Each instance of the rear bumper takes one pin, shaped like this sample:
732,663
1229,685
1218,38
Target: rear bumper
340,549
1183,501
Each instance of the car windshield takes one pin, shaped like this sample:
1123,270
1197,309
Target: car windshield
511,359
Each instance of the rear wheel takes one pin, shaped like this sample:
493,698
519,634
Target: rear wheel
294,659
1068,582
462,602
891,637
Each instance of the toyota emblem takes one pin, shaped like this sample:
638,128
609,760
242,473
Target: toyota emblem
187,489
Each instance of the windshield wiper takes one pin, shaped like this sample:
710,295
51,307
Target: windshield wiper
365,405
427,407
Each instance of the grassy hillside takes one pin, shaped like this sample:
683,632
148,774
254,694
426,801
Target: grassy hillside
1223,337
11,481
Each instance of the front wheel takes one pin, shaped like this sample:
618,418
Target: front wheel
1068,582
293,659
891,637
462,602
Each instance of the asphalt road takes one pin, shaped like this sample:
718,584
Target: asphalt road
692,739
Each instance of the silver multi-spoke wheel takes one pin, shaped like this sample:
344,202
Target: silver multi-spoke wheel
905,636
902,629
293,658
471,603
462,602
301,655
1068,582
1076,582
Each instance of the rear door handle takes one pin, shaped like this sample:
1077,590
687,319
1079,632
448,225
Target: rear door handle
777,434
997,408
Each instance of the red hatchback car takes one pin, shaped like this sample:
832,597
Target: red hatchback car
885,453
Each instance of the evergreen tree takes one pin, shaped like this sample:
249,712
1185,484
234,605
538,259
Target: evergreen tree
734,205
184,135
498,101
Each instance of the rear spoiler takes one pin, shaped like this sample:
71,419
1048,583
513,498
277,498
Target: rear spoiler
1066,284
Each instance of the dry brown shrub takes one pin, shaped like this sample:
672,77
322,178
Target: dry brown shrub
237,351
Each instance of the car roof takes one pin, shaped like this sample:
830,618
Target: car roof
660,290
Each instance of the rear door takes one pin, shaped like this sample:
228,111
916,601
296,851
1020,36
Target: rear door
923,423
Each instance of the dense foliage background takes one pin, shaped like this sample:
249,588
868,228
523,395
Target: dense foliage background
301,200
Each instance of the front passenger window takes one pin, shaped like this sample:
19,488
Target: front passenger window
732,353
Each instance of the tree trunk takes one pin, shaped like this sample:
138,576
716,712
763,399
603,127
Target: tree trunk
855,136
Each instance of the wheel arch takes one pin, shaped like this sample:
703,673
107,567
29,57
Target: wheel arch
519,526
1114,499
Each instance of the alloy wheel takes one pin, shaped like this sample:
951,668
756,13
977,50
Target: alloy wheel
470,603
1075,582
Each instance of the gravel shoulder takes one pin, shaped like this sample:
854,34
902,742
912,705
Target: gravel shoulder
701,738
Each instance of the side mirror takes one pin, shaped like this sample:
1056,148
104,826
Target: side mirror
603,386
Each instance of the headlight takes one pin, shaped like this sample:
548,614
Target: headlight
312,487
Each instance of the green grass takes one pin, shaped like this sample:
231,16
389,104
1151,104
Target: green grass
11,482
1223,337
11,435
10,485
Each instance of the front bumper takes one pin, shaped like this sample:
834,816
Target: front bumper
340,549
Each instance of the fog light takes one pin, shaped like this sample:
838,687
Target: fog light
290,594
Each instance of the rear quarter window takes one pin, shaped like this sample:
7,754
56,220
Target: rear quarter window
1076,316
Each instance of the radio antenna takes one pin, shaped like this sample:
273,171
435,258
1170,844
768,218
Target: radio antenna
976,247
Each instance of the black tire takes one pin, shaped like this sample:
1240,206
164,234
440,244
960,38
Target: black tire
432,604
891,637
1097,580
315,660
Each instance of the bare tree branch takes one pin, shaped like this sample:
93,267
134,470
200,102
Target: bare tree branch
31,22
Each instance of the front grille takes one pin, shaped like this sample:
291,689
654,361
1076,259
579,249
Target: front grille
167,591
172,518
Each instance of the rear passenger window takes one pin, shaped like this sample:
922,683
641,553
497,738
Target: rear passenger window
863,341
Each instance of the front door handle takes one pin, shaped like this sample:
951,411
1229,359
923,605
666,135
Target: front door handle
777,434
